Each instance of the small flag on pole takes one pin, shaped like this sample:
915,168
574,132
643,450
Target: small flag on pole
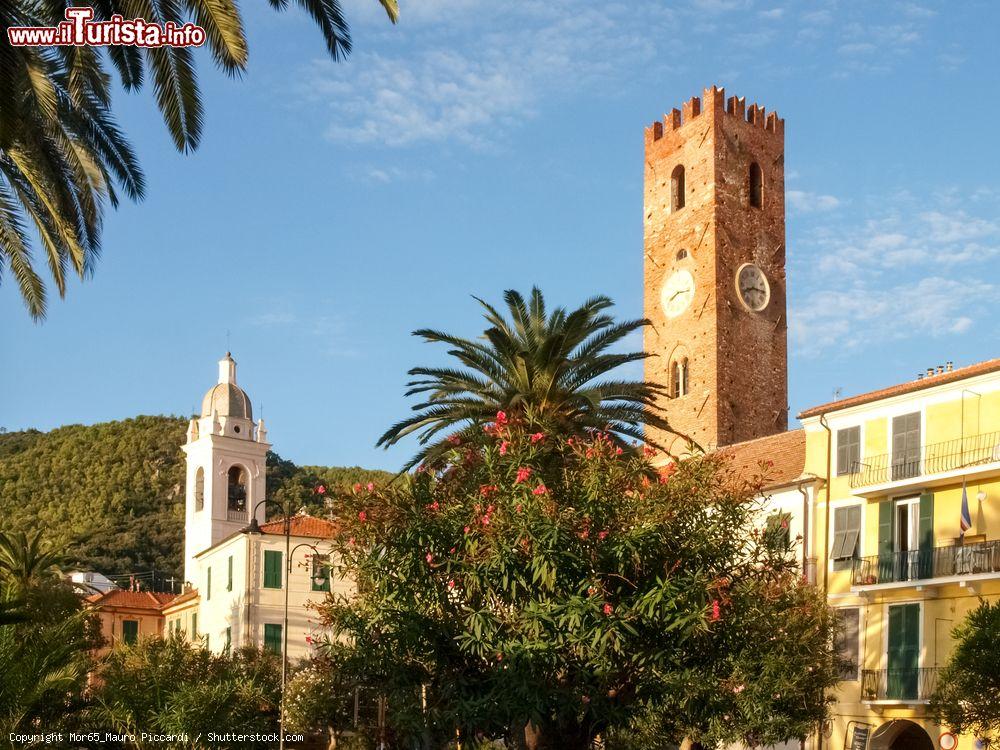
966,521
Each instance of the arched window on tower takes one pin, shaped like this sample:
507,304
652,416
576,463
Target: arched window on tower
679,377
682,254
199,489
236,493
677,188
756,185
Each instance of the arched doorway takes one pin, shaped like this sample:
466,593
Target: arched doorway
900,734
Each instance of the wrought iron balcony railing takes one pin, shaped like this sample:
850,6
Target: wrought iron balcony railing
898,684
931,458
939,562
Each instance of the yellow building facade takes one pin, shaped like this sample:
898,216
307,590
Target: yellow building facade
896,564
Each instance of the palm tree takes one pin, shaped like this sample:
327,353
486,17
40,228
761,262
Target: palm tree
61,153
26,560
549,367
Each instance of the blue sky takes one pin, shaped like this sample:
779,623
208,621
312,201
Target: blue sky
334,207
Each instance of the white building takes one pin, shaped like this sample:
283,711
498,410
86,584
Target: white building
236,566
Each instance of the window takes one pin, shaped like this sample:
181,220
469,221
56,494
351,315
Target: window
848,450
321,573
272,638
906,446
208,584
846,641
679,378
272,569
229,638
903,652
130,631
199,489
756,185
237,488
682,254
194,624
846,534
229,574
677,188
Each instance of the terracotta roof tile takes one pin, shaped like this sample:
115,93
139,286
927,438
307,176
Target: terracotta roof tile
181,598
308,526
786,451
131,599
980,368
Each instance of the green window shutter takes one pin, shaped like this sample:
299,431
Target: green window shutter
194,624
272,569
229,575
130,631
229,637
272,638
885,557
926,531
208,584
903,657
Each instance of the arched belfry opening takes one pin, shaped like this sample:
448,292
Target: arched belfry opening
756,185
677,188
199,489
679,377
236,492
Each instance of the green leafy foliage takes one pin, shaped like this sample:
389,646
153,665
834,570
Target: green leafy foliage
550,589
967,697
111,495
170,686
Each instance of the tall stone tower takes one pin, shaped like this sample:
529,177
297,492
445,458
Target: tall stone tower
714,218
226,465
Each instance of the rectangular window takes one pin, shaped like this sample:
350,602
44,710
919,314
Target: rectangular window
321,573
846,535
847,640
229,574
848,450
208,584
906,446
194,624
903,657
272,569
229,638
130,631
272,638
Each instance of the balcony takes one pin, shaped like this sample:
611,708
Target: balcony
973,457
939,566
898,685
237,514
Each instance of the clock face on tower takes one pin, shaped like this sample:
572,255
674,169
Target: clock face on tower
678,291
752,287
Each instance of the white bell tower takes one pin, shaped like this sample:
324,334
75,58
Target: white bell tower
226,466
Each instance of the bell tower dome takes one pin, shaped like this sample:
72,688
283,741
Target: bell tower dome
226,467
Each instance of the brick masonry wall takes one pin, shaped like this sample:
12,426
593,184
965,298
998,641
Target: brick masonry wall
737,358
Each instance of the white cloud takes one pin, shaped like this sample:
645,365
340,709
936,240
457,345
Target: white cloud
805,202
773,14
904,274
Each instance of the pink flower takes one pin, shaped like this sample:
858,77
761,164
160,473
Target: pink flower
618,451
451,584
501,417
648,452
466,529
309,639
716,610
362,516
537,437
434,506
608,609
429,557
522,474
451,551
518,508
540,490
486,520
371,486
321,490
454,440
357,486
503,447
486,489
350,542
602,535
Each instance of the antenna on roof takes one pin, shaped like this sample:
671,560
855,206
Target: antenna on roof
837,393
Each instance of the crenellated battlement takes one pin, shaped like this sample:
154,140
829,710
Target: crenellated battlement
714,100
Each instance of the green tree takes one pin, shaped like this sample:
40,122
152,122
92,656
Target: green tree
321,695
967,697
62,156
552,589
548,366
170,686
